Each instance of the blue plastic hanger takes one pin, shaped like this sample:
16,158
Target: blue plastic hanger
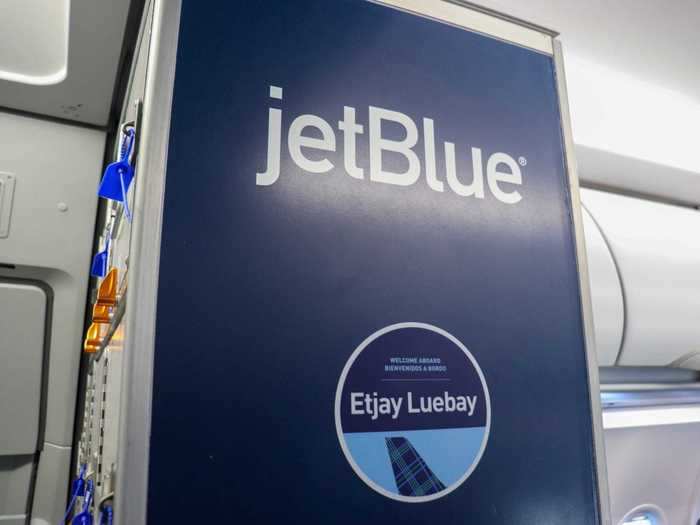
118,175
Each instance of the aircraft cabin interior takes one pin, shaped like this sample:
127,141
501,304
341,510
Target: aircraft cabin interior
350,261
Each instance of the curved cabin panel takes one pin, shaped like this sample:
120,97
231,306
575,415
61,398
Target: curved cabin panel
657,250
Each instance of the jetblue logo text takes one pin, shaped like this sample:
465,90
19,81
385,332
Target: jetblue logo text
502,174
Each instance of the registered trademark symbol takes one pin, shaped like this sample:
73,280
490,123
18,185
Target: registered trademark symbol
522,161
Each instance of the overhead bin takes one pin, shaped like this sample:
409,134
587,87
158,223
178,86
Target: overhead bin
656,248
604,169
606,294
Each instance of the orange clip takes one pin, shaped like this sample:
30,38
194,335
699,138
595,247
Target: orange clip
93,336
93,339
90,349
107,292
101,314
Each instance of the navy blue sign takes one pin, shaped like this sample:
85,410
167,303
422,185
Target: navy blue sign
336,169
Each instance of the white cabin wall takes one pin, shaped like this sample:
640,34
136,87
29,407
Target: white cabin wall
653,463
56,169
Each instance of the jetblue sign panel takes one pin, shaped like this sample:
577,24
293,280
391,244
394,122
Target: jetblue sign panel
377,145
368,307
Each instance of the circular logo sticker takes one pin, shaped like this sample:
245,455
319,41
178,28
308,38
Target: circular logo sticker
412,412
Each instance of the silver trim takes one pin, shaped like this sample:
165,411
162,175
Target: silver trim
478,19
651,416
649,387
135,417
584,286
636,396
503,16
647,375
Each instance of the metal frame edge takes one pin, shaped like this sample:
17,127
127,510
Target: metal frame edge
137,380
584,287
479,19
504,16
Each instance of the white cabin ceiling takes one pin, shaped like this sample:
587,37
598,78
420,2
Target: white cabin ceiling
40,73
633,87
34,41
